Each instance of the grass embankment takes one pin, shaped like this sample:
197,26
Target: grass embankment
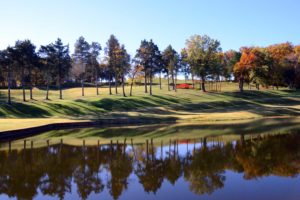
192,106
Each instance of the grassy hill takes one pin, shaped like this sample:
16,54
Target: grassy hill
181,106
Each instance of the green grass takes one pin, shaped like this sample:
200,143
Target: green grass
181,106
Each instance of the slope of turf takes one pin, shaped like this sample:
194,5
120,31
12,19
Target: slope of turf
183,105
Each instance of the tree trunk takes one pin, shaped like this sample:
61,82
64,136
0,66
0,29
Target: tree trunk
168,81
241,85
109,84
257,86
131,85
200,85
60,78
116,84
193,82
146,89
175,88
150,83
173,82
203,84
160,81
60,91
97,87
30,85
31,96
82,88
23,88
123,87
47,91
130,94
9,86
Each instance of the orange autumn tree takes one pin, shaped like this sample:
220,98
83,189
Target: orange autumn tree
297,50
253,67
242,68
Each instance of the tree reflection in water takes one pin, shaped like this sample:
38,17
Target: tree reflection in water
55,169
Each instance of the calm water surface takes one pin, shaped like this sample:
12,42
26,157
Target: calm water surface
258,167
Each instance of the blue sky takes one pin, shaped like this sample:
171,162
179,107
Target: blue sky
235,23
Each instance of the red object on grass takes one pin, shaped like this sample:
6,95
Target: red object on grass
184,86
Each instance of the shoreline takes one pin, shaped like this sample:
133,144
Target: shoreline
31,131
14,134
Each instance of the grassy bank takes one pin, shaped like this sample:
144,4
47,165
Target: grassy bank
181,106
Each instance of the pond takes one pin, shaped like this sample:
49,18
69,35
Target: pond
242,166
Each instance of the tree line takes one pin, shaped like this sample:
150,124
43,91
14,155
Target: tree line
24,66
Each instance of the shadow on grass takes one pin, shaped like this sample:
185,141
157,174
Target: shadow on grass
232,106
121,104
269,97
256,102
22,110
262,103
